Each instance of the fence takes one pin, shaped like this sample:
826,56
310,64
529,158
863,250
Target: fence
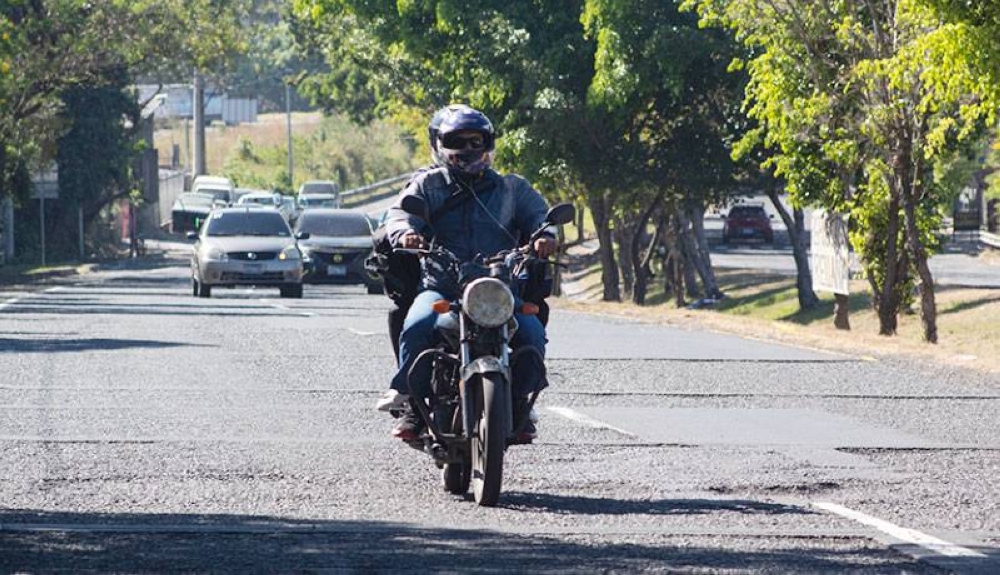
171,186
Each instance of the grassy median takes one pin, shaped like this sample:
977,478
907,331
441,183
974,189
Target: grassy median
765,305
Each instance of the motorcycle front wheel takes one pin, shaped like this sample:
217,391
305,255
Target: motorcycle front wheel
488,442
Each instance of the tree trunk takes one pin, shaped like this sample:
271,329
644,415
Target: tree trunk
674,271
640,258
697,216
795,224
579,226
841,319
609,266
928,306
693,257
889,298
623,234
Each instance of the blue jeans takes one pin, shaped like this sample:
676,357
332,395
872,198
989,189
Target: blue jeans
418,336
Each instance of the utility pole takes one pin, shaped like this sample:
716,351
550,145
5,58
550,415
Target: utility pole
198,113
288,118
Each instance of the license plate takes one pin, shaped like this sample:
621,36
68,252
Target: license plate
335,270
253,268
747,231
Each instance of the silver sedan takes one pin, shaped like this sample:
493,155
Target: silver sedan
246,246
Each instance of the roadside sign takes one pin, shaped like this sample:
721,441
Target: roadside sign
829,258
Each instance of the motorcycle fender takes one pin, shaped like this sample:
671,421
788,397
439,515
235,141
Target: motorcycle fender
481,365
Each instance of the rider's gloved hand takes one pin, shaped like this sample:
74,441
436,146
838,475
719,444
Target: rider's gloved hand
411,240
545,246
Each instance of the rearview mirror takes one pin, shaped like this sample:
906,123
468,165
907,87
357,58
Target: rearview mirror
561,214
302,235
192,235
415,206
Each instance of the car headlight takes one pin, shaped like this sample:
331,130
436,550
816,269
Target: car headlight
290,253
488,302
217,254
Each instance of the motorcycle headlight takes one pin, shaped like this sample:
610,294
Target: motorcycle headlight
290,253
488,302
217,254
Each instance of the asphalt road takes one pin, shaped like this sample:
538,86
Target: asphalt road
145,430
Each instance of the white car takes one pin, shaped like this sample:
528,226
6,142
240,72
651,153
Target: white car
269,200
219,187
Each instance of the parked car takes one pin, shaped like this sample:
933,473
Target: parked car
339,242
321,187
318,201
219,187
190,209
747,222
246,246
269,200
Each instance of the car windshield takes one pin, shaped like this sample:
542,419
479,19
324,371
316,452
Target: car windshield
318,188
219,195
335,225
747,212
317,202
193,201
260,200
248,223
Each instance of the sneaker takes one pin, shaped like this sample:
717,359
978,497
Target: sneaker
529,433
392,400
408,426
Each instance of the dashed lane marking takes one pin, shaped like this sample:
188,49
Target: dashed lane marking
929,542
587,420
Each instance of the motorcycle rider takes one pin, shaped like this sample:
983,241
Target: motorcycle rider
474,211
405,266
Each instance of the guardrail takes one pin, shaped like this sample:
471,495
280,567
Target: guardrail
376,185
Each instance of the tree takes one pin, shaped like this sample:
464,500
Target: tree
49,47
856,101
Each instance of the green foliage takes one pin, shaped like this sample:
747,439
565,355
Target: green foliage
338,150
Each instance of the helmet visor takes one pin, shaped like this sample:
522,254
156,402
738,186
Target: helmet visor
463,141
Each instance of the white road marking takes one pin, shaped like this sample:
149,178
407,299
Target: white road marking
286,308
54,289
587,420
939,546
9,303
357,332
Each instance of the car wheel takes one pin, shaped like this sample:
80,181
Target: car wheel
204,290
194,287
375,289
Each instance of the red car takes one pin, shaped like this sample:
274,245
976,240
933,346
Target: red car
747,222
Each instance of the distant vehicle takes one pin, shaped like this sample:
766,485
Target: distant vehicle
338,244
246,246
321,187
221,188
269,200
190,209
747,222
318,201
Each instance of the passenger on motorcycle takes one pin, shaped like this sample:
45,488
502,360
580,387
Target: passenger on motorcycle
474,211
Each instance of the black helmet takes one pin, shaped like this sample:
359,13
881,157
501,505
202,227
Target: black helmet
465,140
434,126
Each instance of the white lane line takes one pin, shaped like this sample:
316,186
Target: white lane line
939,546
9,303
357,332
54,289
587,420
286,308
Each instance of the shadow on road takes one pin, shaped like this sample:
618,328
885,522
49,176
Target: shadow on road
575,505
8,345
35,541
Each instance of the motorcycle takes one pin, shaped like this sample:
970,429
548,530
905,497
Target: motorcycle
468,408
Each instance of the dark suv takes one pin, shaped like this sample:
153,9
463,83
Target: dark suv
747,222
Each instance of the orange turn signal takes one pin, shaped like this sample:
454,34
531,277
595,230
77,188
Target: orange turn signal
441,306
529,309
